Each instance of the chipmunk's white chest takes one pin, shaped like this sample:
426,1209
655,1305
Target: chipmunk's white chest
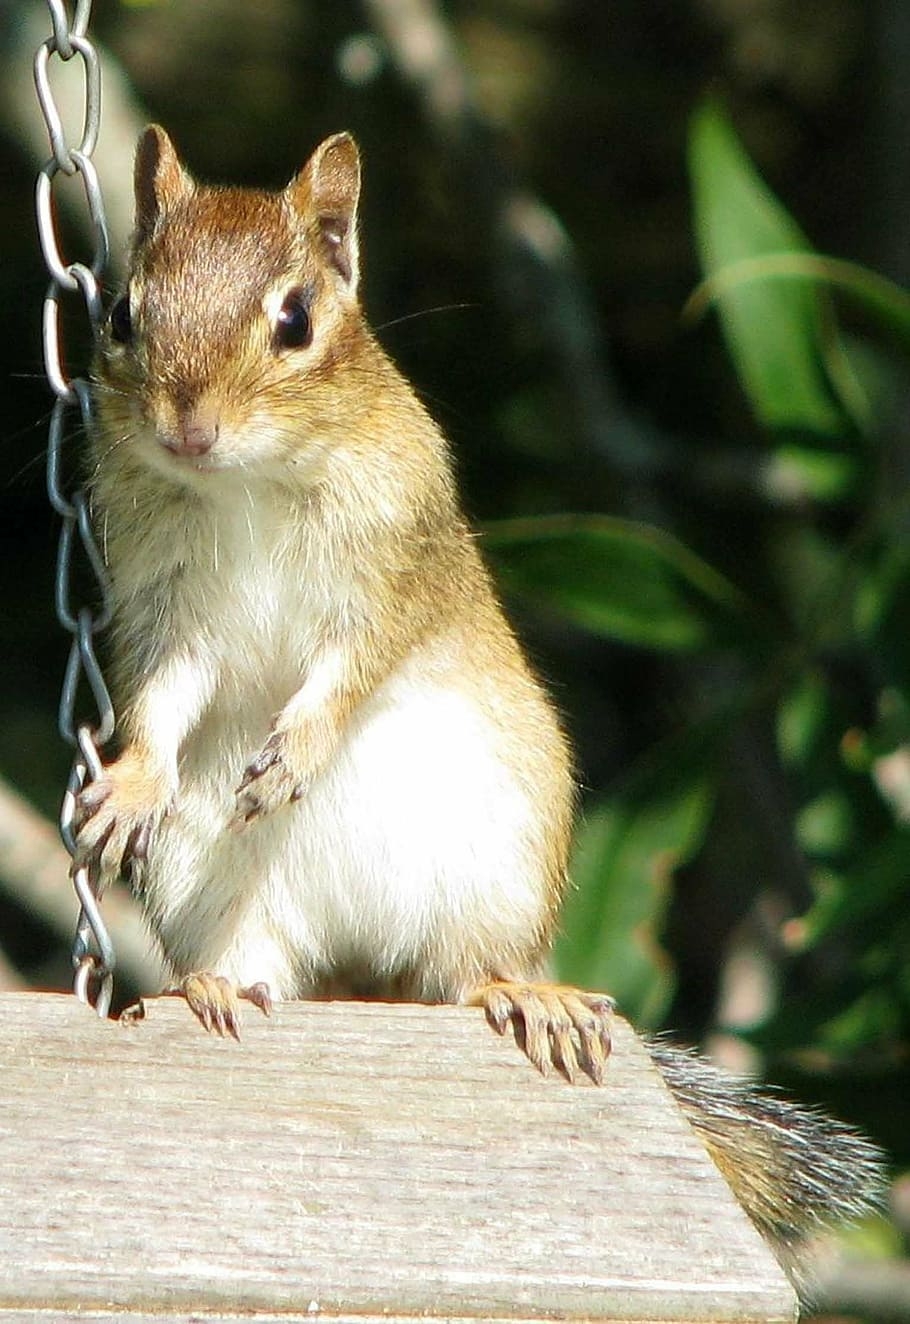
260,594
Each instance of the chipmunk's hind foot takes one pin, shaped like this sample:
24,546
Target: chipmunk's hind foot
556,1025
216,1001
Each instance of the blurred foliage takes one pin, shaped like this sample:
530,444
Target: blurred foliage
628,582
724,615
849,775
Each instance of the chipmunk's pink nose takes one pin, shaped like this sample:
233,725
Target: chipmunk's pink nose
195,434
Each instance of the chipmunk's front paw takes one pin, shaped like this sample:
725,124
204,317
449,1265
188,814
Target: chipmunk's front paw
555,1024
115,819
268,783
216,1001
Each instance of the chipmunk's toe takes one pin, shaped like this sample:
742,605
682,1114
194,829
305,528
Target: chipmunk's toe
214,1000
555,1024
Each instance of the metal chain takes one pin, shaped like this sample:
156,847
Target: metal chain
93,953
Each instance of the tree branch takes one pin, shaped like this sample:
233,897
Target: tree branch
33,873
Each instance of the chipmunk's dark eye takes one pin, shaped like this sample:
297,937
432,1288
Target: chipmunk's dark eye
293,329
121,322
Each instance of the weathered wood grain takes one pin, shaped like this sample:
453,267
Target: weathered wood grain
357,1161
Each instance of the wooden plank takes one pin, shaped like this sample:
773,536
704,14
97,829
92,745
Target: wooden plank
354,1161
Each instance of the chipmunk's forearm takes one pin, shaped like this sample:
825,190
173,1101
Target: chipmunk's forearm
308,730
118,814
164,708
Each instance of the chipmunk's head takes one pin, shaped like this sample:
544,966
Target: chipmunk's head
241,307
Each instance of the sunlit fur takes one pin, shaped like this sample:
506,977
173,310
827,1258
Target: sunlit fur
795,1170
310,574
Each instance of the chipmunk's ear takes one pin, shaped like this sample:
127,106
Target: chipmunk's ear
158,177
327,191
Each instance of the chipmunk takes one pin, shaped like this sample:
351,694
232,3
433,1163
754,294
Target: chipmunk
339,775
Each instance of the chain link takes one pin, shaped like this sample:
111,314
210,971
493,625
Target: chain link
93,953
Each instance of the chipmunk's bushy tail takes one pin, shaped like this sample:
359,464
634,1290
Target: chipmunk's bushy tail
794,1170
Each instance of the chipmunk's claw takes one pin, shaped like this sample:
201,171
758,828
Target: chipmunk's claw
260,996
556,1025
214,1000
268,756
266,785
114,820
90,799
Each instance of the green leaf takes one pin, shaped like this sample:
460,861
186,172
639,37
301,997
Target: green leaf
780,334
627,850
823,474
628,581
826,825
864,899
801,718
835,1023
887,304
